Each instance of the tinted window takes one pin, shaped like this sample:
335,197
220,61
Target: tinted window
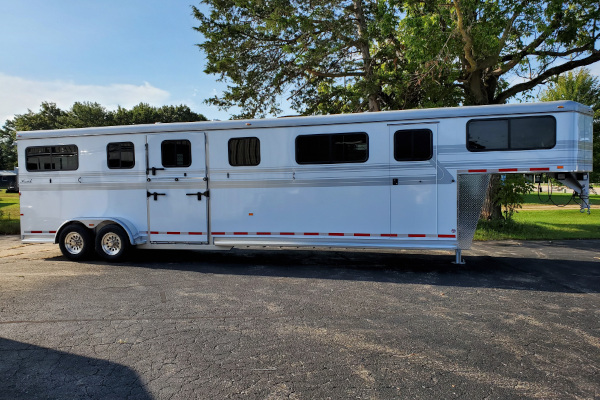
413,145
244,151
52,158
533,133
488,135
332,149
524,133
120,155
176,153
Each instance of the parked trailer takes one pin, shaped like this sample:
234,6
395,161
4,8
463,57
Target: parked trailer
400,179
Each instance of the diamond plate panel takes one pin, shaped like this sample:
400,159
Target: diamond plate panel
472,189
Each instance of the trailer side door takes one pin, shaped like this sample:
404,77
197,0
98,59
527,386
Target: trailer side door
413,175
177,188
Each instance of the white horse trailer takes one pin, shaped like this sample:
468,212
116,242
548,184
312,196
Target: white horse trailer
400,179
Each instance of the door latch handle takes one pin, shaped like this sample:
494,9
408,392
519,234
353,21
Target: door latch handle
148,194
199,194
395,181
153,169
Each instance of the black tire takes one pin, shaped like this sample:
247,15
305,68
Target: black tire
112,242
76,242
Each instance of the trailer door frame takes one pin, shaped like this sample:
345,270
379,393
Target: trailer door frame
177,188
414,194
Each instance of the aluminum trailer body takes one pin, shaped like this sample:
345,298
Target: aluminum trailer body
399,179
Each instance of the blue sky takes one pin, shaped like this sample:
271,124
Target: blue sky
115,52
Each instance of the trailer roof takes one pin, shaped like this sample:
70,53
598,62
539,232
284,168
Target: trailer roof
383,116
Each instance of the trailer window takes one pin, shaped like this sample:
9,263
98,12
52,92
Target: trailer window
413,145
244,151
52,158
120,155
523,133
176,153
332,149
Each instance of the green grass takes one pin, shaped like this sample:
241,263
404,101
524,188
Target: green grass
557,197
9,213
553,224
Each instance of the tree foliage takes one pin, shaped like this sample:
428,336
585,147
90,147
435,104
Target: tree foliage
81,115
369,55
511,193
583,87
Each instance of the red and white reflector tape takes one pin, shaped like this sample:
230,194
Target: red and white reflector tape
501,170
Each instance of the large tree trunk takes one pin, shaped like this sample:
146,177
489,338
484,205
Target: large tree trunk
492,210
365,50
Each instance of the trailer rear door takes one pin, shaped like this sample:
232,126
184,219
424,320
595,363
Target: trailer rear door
413,175
177,188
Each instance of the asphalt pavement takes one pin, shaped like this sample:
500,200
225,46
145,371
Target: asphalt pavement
520,320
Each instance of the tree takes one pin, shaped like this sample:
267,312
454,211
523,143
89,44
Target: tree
489,44
367,55
583,87
85,114
327,55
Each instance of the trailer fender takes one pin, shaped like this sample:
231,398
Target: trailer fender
96,223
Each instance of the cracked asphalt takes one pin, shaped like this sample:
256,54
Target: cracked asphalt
520,320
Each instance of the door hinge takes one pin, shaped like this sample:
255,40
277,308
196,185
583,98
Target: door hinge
155,195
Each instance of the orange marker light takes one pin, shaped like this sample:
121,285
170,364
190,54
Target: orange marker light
560,167
251,214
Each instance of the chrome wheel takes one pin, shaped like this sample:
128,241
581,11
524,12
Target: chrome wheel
111,244
74,243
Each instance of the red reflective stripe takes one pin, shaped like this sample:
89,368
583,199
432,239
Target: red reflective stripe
173,233
218,233
153,233
447,236
508,169
240,233
389,235
263,233
478,170
195,233
335,234
37,232
362,234
539,169
416,235
311,234
287,233
52,231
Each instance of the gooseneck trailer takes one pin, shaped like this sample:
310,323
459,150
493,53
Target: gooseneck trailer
399,179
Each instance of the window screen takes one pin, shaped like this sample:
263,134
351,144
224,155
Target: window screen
332,149
120,155
176,153
244,151
413,145
52,158
523,133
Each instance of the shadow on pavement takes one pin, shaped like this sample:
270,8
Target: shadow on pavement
481,271
32,372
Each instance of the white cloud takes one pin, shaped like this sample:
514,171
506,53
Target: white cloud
19,94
